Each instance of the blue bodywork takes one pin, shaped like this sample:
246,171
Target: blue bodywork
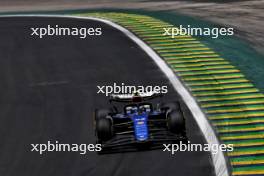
140,123
141,126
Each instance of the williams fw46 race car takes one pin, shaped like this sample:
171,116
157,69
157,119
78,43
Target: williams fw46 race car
140,124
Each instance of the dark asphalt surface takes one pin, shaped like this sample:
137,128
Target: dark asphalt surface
48,93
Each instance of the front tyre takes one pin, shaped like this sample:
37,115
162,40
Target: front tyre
104,129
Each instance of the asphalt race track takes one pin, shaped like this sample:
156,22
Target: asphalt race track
49,91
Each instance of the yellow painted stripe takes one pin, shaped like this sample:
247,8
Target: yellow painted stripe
182,50
213,77
230,97
210,72
238,122
235,91
255,136
243,109
248,144
205,62
177,46
171,40
241,129
221,87
149,27
256,172
236,115
144,27
183,68
239,102
213,82
164,37
245,153
175,42
234,163
198,62
174,59
192,53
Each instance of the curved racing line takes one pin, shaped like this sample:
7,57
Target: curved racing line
220,163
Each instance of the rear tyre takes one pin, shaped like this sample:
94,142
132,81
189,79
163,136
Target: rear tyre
104,129
173,106
176,122
101,113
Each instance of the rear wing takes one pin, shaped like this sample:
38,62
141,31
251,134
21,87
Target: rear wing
134,98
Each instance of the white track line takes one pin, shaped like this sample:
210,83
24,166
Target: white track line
219,161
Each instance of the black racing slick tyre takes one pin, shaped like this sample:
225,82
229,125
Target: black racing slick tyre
104,129
176,122
173,106
101,113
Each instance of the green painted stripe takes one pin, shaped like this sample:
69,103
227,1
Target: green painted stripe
248,158
258,168
194,54
245,153
208,72
162,37
222,87
183,67
231,97
225,92
236,109
205,62
147,28
250,133
176,46
233,102
213,77
246,143
182,50
178,43
241,128
170,40
201,62
212,82
249,149
227,122
245,114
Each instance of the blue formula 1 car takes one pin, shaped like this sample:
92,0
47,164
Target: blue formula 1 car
139,125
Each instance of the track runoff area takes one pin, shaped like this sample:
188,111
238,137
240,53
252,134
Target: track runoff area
49,92
231,102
